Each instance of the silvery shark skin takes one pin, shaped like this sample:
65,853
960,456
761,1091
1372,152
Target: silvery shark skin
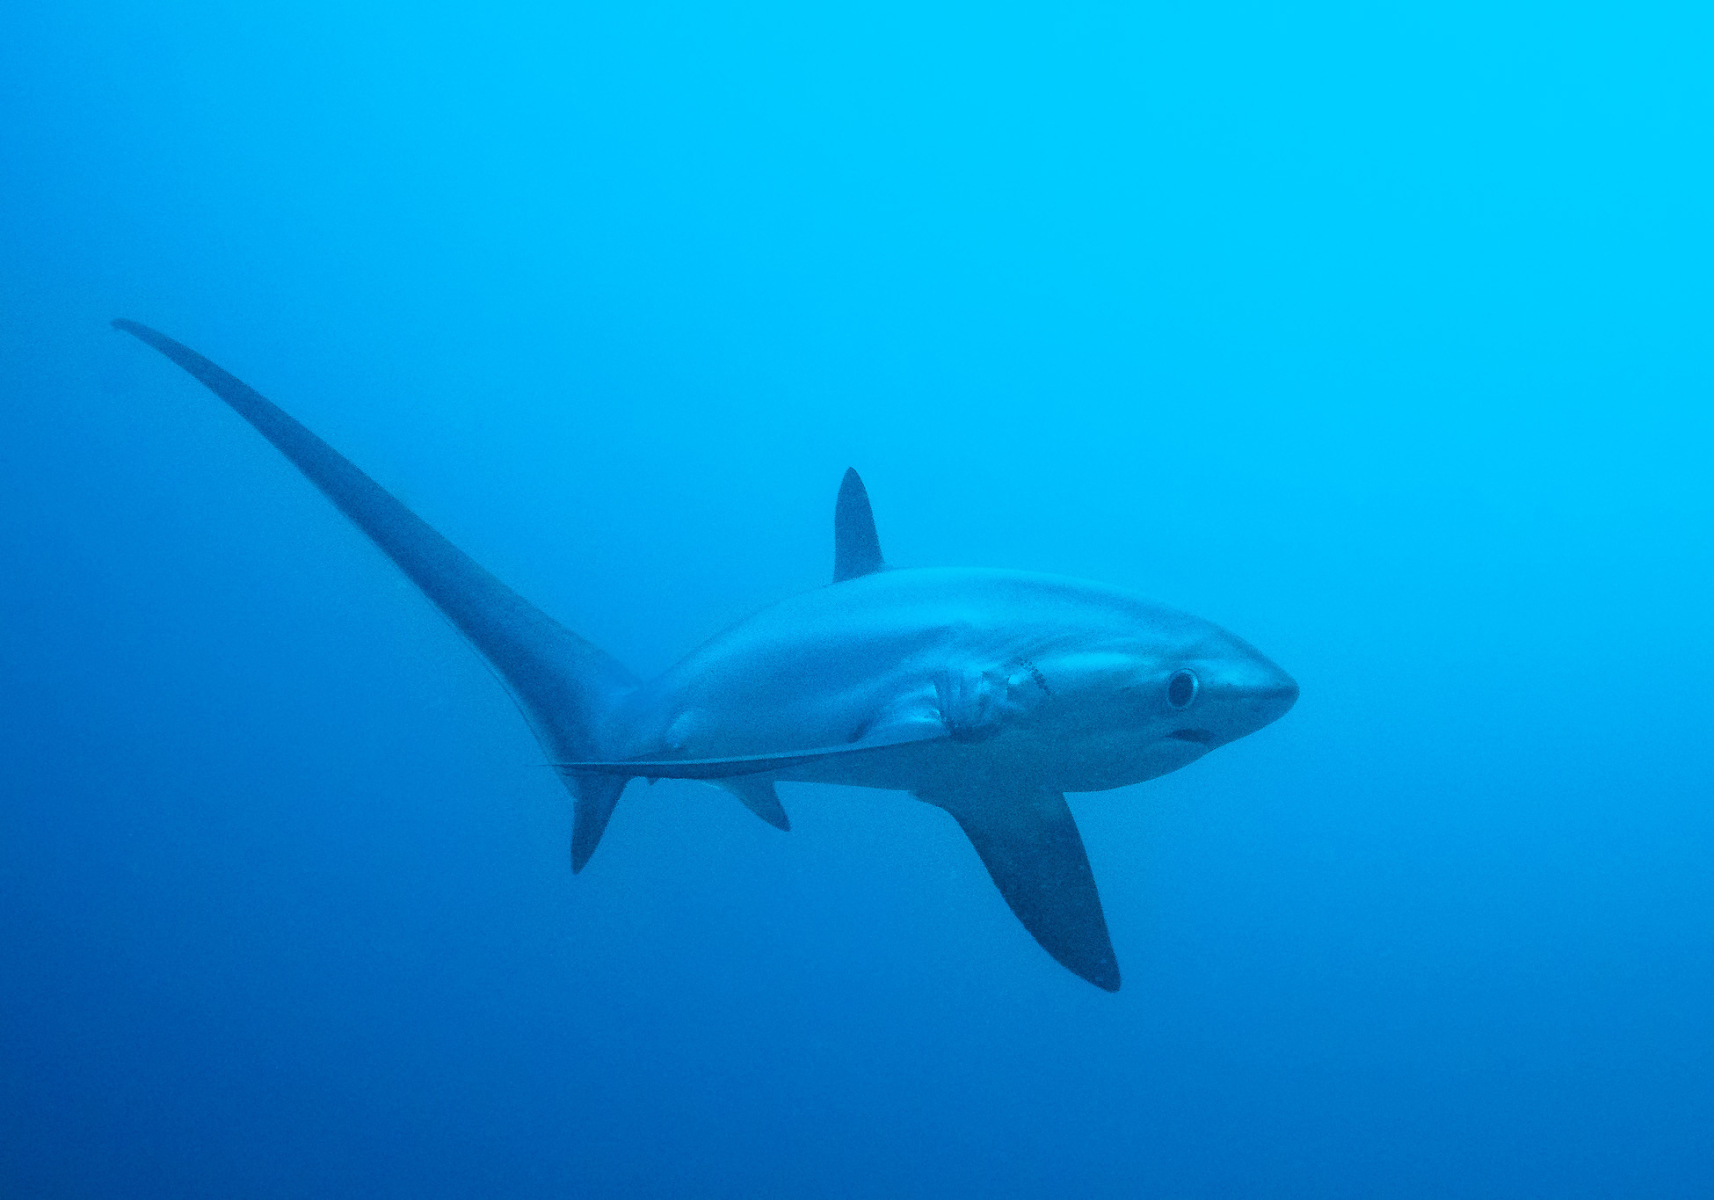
987,693
1057,682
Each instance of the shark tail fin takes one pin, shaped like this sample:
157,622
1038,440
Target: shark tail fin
563,685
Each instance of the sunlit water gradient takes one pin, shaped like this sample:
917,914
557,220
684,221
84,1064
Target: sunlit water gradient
1378,335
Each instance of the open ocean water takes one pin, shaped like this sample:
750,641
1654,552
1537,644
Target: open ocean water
1379,334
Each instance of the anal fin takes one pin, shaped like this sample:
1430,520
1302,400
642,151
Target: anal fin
759,796
1027,839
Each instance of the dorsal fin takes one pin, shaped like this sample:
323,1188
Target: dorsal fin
856,549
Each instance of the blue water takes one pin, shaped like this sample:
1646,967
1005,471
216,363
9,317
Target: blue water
1378,334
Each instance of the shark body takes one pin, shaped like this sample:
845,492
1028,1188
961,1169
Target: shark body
987,693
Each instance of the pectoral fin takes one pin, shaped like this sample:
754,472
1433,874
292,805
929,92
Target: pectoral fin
1027,839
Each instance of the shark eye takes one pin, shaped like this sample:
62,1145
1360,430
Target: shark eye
1181,689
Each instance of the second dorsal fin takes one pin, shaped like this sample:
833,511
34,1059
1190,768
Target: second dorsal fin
856,549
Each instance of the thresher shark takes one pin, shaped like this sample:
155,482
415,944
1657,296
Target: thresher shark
987,693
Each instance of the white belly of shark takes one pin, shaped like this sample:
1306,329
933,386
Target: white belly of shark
987,693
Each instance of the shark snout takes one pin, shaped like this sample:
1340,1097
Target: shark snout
1248,693
1268,696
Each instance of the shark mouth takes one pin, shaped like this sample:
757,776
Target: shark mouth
1200,736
